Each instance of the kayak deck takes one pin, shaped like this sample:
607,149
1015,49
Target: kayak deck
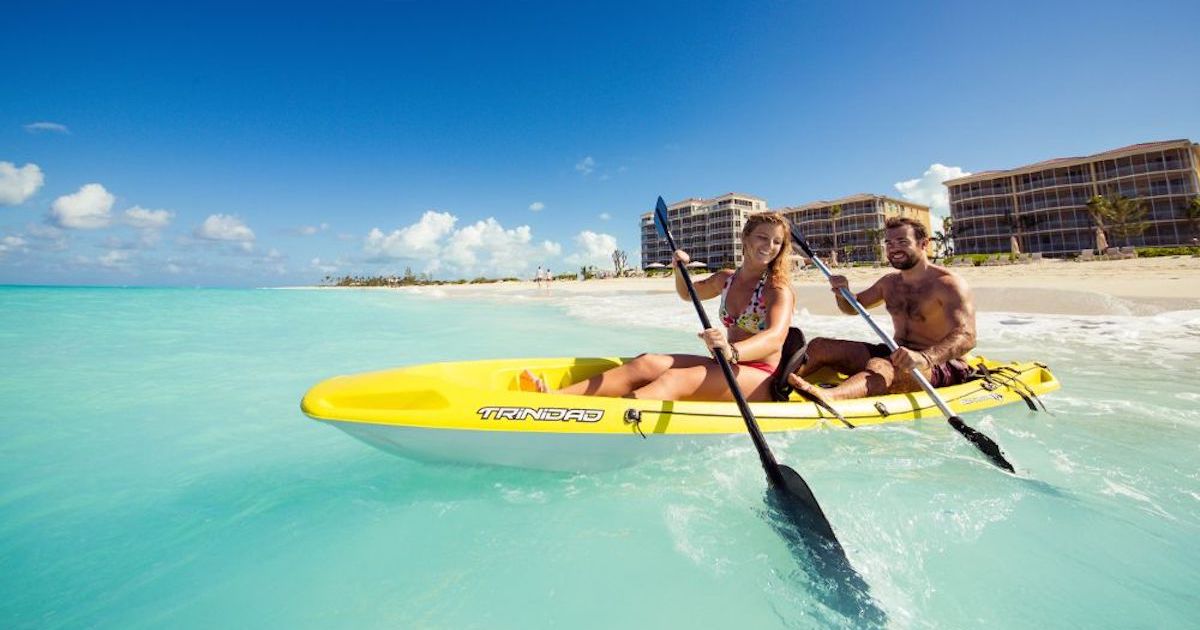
474,412
483,395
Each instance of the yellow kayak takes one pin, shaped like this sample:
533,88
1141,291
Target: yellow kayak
474,411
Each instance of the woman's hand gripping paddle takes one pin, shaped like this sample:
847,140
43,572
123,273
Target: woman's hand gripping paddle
790,489
981,441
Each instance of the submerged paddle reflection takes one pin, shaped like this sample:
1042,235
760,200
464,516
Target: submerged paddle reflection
834,581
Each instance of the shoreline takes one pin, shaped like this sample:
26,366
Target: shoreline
1144,286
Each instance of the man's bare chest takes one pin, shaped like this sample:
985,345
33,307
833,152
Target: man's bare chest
913,303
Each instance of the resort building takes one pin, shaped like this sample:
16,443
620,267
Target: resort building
1042,207
710,229
856,231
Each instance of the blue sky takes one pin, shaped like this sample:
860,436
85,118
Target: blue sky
212,144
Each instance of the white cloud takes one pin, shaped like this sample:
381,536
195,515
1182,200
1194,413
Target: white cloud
88,209
40,127
594,249
309,230
586,165
537,206
12,243
604,216
223,227
484,247
144,219
47,237
928,189
19,184
323,267
488,246
115,259
417,240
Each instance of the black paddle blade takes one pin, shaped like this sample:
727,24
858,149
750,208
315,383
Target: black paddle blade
983,443
793,497
799,238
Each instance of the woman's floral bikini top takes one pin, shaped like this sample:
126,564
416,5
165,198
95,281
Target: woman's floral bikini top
754,318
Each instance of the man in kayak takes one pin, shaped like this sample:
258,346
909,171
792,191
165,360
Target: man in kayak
757,304
932,313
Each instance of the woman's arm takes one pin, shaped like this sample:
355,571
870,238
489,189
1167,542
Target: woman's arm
706,289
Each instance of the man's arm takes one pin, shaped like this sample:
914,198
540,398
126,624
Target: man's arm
869,298
959,308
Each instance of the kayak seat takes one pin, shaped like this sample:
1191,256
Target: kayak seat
794,354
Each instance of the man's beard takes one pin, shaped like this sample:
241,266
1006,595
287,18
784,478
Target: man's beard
908,262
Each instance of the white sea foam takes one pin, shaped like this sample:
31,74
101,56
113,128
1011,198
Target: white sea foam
1119,489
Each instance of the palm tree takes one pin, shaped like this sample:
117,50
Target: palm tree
1098,211
1193,217
1127,216
834,213
944,238
873,237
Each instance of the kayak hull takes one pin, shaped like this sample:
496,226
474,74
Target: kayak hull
474,412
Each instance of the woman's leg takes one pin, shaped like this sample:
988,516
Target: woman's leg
706,382
625,378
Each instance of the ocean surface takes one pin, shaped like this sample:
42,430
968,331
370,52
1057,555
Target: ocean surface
156,472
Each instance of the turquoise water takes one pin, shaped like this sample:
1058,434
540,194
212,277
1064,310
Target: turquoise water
155,471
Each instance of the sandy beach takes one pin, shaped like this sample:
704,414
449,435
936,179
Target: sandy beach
1144,286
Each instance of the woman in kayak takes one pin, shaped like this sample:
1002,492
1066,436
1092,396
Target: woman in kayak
757,303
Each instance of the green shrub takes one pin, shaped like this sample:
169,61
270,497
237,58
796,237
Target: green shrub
1152,252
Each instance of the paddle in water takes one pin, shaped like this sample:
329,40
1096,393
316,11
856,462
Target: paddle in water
792,495
981,441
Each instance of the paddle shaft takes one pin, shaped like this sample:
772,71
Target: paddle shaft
760,443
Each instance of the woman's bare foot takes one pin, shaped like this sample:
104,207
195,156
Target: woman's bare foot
806,389
530,383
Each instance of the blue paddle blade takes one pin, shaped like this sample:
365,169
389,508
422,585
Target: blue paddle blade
660,217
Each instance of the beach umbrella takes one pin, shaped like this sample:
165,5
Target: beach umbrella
656,266
696,263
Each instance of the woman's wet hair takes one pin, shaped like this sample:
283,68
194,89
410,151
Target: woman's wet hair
780,269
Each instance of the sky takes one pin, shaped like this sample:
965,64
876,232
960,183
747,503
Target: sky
212,144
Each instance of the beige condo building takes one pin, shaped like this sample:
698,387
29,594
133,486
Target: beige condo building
859,226
1044,205
710,229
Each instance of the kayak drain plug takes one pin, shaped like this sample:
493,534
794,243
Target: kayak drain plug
634,417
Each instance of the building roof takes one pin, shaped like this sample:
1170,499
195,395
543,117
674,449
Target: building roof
851,199
1132,149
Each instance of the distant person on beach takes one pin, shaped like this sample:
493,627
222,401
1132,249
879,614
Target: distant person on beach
537,279
757,303
932,313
